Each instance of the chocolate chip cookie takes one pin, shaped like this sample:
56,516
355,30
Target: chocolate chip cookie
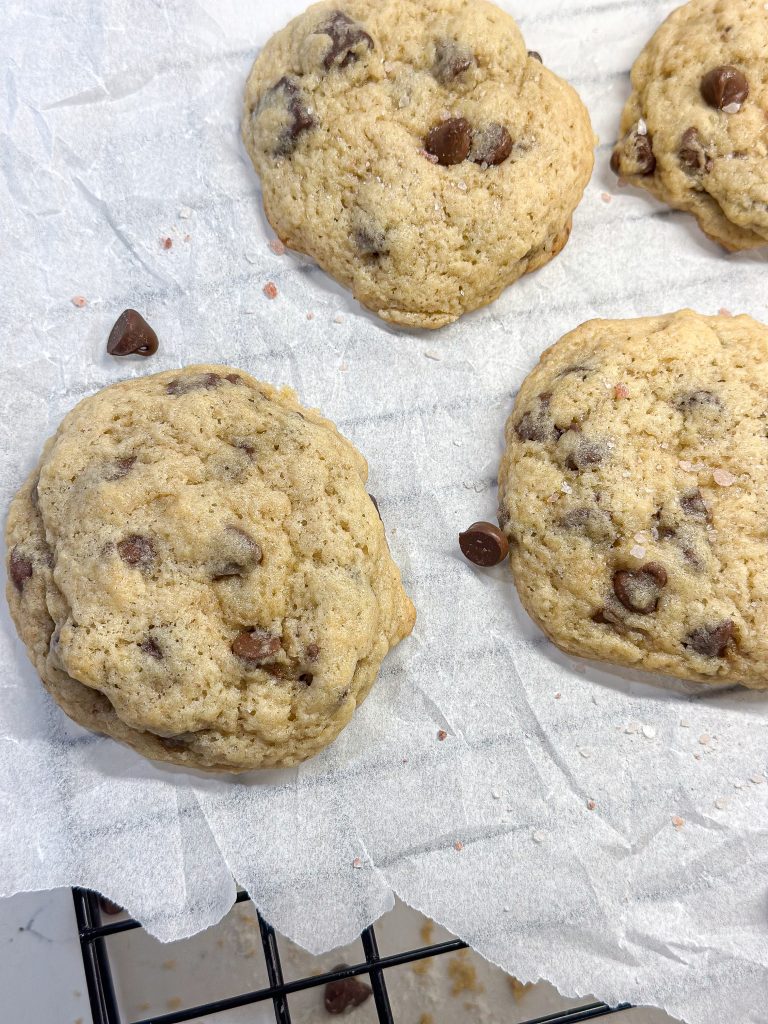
416,150
633,493
197,570
694,129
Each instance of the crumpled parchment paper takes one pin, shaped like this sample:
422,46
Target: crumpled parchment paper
119,122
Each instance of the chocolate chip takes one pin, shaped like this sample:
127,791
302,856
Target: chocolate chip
370,240
233,378
725,88
119,468
491,145
312,652
237,553
108,907
131,336
537,424
198,382
306,678
484,544
692,503
582,371
634,154
137,551
245,445
711,640
692,154
349,40
256,645
20,569
694,401
150,648
591,522
639,589
450,141
535,55
346,993
287,95
580,453
451,61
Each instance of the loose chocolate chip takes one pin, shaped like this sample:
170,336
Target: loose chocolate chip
725,88
20,569
150,648
692,154
370,240
119,468
639,589
450,141
634,154
237,554
131,336
286,94
537,424
692,503
484,544
592,522
349,40
312,652
256,645
199,382
108,907
711,640
346,993
535,55
693,401
137,551
451,61
491,145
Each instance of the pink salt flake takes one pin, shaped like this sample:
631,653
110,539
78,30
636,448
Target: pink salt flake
270,290
357,863
310,315
724,312
723,478
637,551
558,696
79,300
621,391
458,845
606,197
441,734
167,243
591,805
685,465
277,247
704,739
678,822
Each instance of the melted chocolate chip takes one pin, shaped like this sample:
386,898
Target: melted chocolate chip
692,503
137,551
198,382
583,371
692,154
19,569
119,468
256,646
711,640
634,155
586,454
234,378
370,240
484,544
151,649
591,522
238,553
639,589
131,336
346,993
537,424
349,40
312,652
535,55
725,88
175,743
451,61
286,94
694,401
450,141
491,145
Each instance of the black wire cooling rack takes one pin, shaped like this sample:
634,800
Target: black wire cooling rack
94,936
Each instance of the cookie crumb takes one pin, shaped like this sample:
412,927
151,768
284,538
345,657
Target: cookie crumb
79,300
167,243
185,213
678,822
704,739
738,784
585,752
558,695
621,391
723,478
277,247
458,845
632,728
174,1003
591,805
721,803
684,723
757,779
495,794
441,734
270,290
431,354
538,836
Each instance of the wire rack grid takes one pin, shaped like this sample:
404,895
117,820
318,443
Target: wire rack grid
94,936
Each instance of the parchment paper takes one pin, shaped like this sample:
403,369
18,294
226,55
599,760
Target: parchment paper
119,123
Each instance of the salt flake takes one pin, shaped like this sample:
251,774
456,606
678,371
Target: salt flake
270,290
723,477
637,551
649,732
642,127
565,488
538,836
721,803
357,863
277,247
678,822
79,300
731,108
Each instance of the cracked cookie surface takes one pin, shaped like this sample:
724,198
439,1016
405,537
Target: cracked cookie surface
416,150
633,491
694,131
196,569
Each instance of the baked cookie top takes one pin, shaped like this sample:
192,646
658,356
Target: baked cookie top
416,150
695,129
197,569
633,492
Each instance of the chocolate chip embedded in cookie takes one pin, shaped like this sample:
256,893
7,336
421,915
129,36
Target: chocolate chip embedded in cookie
693,130
631,520
224,594
425,128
